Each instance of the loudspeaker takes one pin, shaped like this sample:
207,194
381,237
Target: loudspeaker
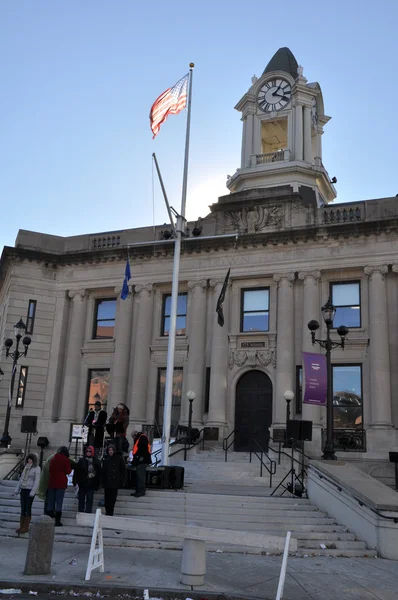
305,431
43,442
393,457
177,477
29,424
293,430
299,431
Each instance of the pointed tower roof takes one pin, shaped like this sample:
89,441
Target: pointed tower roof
283,60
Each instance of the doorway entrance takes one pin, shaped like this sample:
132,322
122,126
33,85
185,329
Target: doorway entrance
253,410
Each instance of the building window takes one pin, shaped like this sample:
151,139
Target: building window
346,297
97,389
255,310
347,397
104,321
23,378
176,401
181,326
299,390
30,317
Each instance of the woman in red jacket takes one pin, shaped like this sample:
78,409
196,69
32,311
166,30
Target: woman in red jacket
60,468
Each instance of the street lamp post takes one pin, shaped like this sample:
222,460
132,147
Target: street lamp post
191,397
288,396
19,330
328,312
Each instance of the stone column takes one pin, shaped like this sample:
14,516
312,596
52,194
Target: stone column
219,362
196,353
248,142
298,134
285,368
75,340
307,134
311,310
380,387
121,357
141,350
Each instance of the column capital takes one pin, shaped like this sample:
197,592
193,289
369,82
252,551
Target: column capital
143,287
395,268
371,270
289,277
304,275
118,290
199,283
83,293
214,282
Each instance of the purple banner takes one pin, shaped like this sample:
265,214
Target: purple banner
314,378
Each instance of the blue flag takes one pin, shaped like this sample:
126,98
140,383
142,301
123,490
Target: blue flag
127,276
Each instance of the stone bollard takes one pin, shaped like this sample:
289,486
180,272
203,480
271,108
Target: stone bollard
193,563
40,546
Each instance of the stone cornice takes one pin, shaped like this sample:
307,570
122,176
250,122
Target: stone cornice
317,233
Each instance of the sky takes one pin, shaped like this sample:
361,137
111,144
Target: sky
78,79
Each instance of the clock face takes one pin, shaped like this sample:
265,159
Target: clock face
274,95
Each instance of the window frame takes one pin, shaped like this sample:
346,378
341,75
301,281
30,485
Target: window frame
162,325
95,320
89,378
158,423
29,329
347,282
340,365
242,311
21,404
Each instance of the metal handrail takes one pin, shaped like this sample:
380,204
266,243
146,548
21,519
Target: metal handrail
360,502
272,470
178,441
226,447
280,451
15,469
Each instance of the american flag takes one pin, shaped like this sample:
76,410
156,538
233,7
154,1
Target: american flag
171,102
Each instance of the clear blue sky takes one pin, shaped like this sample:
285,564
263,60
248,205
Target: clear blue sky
78,79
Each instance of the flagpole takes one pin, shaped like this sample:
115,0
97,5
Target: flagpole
180,227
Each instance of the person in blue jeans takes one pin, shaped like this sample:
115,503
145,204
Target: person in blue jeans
87,475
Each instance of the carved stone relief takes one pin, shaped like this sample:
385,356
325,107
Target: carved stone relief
262,358
253,219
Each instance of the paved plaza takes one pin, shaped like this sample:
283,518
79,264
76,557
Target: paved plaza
229,575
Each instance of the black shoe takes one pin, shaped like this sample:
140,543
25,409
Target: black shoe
138,495
58,516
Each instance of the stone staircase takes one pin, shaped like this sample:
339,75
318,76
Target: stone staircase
216,494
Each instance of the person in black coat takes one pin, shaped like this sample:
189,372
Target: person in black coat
87,475
141,460
96,421
113,478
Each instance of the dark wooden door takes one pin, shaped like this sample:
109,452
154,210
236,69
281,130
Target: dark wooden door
253,410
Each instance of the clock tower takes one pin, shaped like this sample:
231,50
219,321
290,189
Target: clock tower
283,119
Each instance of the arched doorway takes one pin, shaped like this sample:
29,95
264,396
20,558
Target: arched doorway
253,410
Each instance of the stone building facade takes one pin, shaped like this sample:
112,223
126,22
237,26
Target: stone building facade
288,249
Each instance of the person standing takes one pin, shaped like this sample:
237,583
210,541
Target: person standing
87,475
117,427
60,467
113,478
141,460
26,488
95,421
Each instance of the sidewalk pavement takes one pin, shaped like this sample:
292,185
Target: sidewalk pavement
131,570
